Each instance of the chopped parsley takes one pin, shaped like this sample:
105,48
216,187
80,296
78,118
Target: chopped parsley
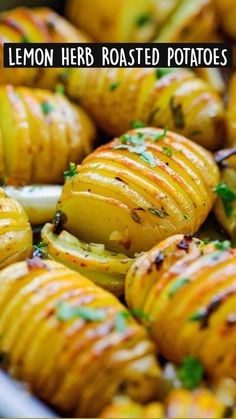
39,250
3,183
143,20
159,137
190,372
140,150
121,321
176,286
47,107
227,195
66,312
140,314
167,151
225,245
71,172
114,85
198,316
161,72
25,39
177,114
60,88
138,124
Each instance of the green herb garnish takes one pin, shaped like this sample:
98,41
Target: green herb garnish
225,245
71,172
159,137
191,372
60,88
47,107
114,85
140,314
198,316
140,150
175,286
143,20
227,195
39,249
138,124
121,321
25,39
66,312
3,183
167,151
161,72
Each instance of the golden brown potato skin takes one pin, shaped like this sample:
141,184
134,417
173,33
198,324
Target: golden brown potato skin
231,118
15,231
189,291
41,132
178,100
136,204
60,359
227,15
180,403
116,21
38,25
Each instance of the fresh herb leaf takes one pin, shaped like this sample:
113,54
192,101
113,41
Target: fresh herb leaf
71,172
144,20
114,85
227,195
225,245
47,107
25,39
176,285
158,213
138,124
177,114
161,72
66,312
167,151
121,321
140,150
160,136
191,372
60,88
198,316
3,183
139,313
148,157
39,250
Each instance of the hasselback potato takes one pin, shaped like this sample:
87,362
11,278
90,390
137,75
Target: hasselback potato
139,189
188,290
37,25
192,21
107,269
227,16
179,404
175,99
71,341
116,21
231,118
40,134
15,231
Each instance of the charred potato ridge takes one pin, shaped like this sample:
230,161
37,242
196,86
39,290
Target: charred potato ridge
188,289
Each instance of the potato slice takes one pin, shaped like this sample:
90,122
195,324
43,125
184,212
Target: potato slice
104,268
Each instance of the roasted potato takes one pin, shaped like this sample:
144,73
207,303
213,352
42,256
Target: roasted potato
179,404
107,269
67,338
227,15
186,287
231,118
38,25
116,21
38,201
15,231
41,133
139,189
193,21
175,99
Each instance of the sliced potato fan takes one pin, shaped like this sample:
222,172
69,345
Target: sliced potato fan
41,133
62,335
107,269
187,288
138,189
15,231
